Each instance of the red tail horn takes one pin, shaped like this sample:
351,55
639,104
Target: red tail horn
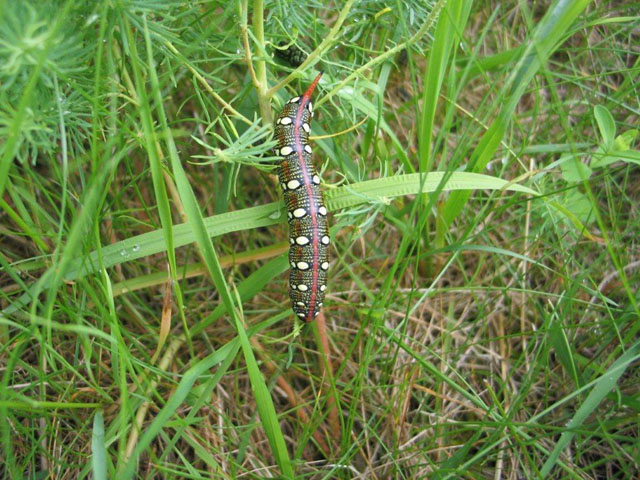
312,87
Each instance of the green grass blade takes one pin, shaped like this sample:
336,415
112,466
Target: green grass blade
160,190
174,402
602,387
98,448
546,38
371,191
560,342
383,189
451,24
263,399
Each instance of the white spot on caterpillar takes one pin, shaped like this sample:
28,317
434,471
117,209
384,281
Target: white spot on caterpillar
310,107
305,127
302,287
301,315
301,304
322,210
325,240
317,313
284,187
278,121
303,265
323,288
286,150
302,240
293,184
289,215
299,212
293,264
285,121
293,286
325,266
294,100
307,149
316,179
292,241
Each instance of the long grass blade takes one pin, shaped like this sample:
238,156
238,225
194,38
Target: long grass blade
451,24
603,386
263,399
372,191
547,37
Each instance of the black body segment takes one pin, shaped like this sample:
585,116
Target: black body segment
306,212
291,54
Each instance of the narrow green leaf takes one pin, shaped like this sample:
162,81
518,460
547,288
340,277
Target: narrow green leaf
157,177
546,38
381,190
563,350
98,448
451,24
606,124
182,390
602,387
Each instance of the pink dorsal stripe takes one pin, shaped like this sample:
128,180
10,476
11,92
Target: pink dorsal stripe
306,98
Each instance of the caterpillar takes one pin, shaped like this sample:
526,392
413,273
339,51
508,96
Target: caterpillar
291,54
306,212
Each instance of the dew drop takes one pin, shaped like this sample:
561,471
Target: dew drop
275,215
91,19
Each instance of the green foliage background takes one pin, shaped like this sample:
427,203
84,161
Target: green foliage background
480,160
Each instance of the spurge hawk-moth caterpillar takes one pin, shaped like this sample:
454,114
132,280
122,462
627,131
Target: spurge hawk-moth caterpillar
307,214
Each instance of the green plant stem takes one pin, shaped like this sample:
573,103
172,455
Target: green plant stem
245,41
326,43
388,54
261,67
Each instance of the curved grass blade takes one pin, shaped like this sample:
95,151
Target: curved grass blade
450,26
370,191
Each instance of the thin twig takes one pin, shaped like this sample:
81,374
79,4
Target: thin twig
245,41
327,374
